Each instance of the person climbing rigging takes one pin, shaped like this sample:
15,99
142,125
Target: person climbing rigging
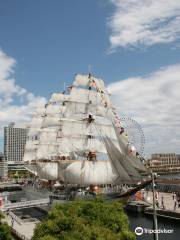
91,84
90,118
91,156
121,131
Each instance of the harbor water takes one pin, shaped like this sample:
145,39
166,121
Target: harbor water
146,222
135,219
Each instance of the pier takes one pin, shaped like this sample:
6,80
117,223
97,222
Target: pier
22,220
23,224
167,205
23,229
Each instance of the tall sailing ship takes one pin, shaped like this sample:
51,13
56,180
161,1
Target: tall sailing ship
78,138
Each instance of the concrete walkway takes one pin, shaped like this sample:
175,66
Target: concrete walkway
23,204
23,228
165,199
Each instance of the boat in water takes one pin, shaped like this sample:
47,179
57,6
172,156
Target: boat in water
77,138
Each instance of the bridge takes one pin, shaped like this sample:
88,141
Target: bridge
24,204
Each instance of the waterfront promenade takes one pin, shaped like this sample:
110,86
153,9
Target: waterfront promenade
24,226
165,201
23,204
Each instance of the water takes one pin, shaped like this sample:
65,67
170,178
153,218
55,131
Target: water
135,219
146,221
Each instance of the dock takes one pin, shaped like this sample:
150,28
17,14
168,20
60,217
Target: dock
19,227
136,206
23,226
166,207
23,222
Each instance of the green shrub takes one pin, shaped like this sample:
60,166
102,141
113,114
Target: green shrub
5,232
85,220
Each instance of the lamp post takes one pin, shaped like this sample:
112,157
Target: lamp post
154,209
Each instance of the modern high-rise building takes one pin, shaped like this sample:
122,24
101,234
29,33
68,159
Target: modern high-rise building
14,143
3,168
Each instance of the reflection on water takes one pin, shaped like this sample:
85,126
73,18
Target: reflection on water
146,221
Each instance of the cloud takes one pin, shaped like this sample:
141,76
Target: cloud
9,91
154,101
139,23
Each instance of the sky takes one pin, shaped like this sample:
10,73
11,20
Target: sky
134,45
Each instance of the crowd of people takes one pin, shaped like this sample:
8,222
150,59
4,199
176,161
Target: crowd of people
163,201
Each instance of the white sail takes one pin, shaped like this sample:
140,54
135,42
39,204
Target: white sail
90,173
73,127
29,155
122,174
132,172
58,97
81,108
33,138
46,151
36,121
32,145
49,145
50,121
52,109
94,145
134,161
89,96
83,80
48,135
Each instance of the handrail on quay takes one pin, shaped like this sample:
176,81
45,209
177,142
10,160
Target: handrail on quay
25,204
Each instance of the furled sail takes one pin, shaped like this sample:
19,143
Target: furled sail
58,98
89,96
83,80
122,174
90,173
32,141
134,161
130,169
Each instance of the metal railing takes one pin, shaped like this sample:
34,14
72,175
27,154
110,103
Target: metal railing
18,205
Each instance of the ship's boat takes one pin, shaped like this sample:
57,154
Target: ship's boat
77,138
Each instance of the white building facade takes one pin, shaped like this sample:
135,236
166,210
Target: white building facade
14,143
3,168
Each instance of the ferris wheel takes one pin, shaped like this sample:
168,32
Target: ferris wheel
135,133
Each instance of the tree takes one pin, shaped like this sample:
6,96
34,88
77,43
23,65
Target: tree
5,233
85,220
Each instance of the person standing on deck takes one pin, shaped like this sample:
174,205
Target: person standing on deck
162,202
156,199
